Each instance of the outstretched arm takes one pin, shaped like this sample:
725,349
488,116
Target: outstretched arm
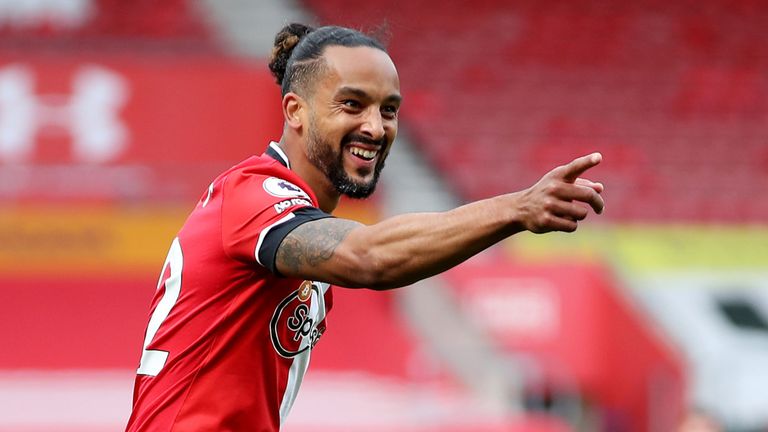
404,249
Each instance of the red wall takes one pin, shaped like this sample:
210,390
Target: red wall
583,333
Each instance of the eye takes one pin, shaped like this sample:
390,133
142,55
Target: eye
390,111
351,103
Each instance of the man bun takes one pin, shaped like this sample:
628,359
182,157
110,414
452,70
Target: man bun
297,55
285,41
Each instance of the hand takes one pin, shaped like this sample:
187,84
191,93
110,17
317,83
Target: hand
555,203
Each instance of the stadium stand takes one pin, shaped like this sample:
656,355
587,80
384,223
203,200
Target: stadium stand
675,96
102,20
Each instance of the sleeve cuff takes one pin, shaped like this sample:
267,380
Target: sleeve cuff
272,236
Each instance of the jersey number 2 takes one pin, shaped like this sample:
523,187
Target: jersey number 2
152,361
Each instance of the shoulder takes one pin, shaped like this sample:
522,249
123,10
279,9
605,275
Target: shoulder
263,176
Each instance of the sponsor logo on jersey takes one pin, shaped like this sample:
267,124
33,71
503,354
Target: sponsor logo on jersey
283,188
305,291
294,328
285,205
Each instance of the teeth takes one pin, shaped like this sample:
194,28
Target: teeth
365,154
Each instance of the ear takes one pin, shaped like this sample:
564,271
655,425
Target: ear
294,108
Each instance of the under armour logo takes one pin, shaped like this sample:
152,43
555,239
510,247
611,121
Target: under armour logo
89,113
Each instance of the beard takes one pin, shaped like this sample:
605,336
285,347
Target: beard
322,154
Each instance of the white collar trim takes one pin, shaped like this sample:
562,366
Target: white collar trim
274,146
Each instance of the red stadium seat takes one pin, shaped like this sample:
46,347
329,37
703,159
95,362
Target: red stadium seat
674,94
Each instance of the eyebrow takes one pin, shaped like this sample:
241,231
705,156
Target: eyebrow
364,95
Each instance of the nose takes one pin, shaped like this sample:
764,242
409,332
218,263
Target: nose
373,126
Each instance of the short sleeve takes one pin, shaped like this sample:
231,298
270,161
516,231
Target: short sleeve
258,211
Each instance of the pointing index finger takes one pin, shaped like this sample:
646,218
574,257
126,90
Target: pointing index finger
578,166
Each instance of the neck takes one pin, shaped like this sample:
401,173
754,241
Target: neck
327,197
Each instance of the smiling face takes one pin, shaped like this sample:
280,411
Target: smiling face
352,120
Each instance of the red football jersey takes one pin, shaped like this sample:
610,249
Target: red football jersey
229,338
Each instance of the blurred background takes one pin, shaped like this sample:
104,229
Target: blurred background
115,115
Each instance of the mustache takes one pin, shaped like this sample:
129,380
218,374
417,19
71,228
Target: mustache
364,140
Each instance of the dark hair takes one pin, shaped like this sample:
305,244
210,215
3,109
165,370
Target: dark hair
299,48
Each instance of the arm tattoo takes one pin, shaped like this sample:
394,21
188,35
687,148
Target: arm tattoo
312,243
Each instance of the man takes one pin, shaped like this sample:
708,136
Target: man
245,289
